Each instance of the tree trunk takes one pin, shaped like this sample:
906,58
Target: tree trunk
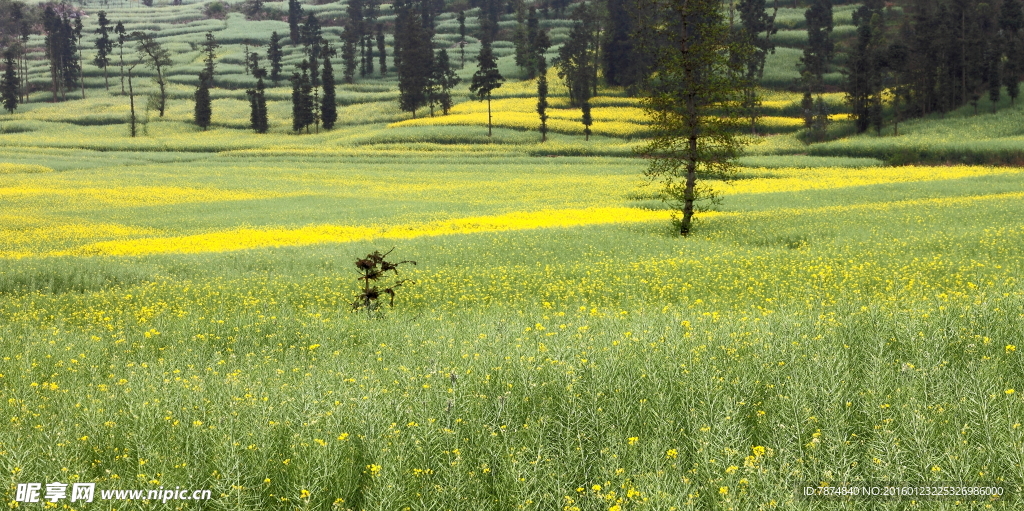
488,115
131,99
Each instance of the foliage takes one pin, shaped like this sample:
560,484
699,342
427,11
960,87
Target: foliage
486,79
329,105
158,58
689,101
372,269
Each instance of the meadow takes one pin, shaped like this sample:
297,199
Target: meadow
175,309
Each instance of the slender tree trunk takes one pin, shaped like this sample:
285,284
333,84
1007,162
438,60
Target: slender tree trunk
131,99
106,81
488,115
122,68
163,91
81,68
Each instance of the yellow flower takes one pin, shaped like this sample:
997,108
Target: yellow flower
633,440
343,437
1009,391
732,469
1010,348
304,494
671,454
759,450
723,490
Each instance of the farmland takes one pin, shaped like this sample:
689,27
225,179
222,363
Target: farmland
175,308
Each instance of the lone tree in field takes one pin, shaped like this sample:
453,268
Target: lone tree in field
486,78
9,84
692,100
104,46
157,58
210,46
204,110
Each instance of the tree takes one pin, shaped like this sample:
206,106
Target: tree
9,84
122,37
274,55
755,20
381,50
312,38
328,107
622,63
203,110
574,64
462,39
258,103
78,45
864,80
1011,21
442,80
157,58
414,61
587,120
348,53
131,98
692,100
487,78
819,50
104,45
542,96
294,15
302,98
210,46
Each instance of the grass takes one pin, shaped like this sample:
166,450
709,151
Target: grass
175,309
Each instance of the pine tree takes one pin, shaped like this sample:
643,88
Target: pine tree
209,51
51,27
274,56
294,16
442,80
329,106
312,38
692,102
621,61
462,39
532,31
542,96
203,110
574,64
1011,21
104,45
348,54
9,84
820,48
258,103
302,98
77,31
487,78
864,83
382,50
415,64
521,43
587,119
122,37
755,20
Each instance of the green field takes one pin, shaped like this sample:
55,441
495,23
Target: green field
175,309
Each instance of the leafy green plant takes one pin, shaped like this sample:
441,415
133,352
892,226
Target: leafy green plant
372,269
